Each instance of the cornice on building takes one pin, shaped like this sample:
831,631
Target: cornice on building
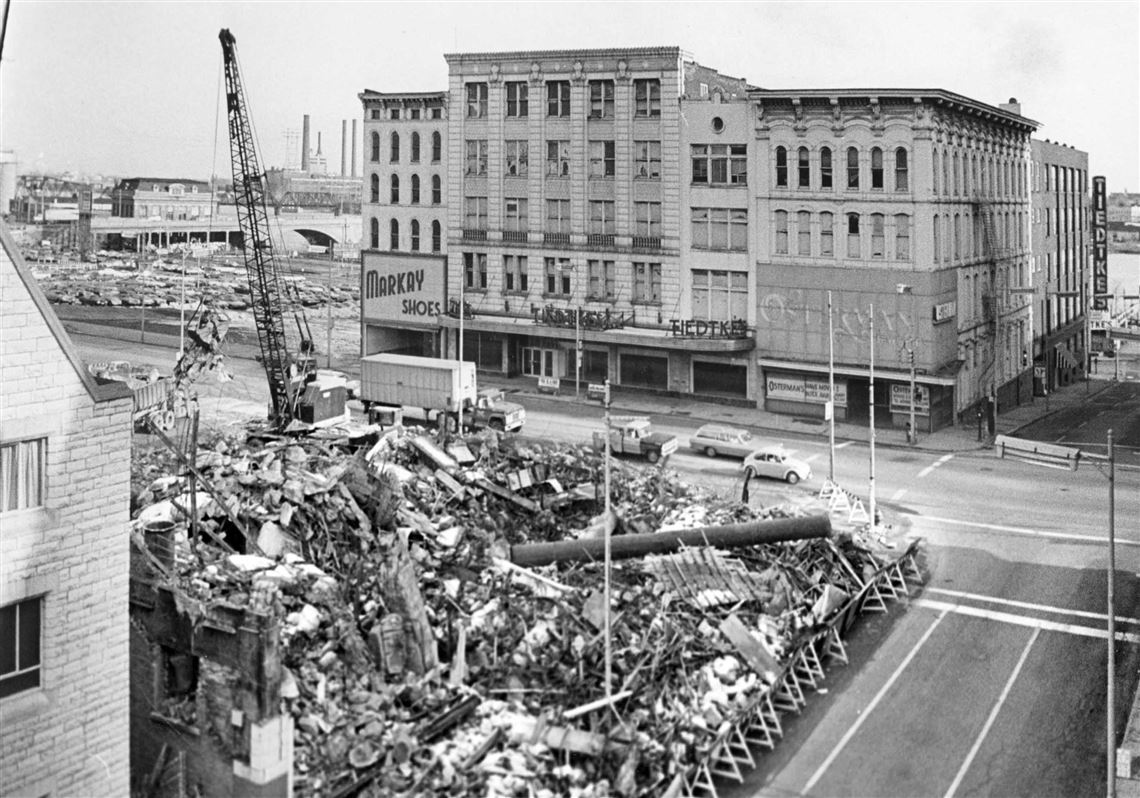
612,52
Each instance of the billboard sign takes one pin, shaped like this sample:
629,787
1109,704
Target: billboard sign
1100,245
795,388
900,398
399,287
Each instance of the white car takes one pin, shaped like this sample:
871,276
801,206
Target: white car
714,440
773,462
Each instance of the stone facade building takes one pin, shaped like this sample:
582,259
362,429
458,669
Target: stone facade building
65,447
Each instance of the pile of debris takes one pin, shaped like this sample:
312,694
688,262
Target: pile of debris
421,657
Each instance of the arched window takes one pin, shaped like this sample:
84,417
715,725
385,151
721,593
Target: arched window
415,148
877,181
436,147
957,236
826,234
415,189
854,246
415,235
436,190
852,169
394,152
395,189
781,232
902,176
436,237
937,239
934,173
374,232
782,166
803,233
974,173
375,147
393,235
945,173
957,183
825,167
375,192
803,168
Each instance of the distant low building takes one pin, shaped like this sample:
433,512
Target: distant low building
162,198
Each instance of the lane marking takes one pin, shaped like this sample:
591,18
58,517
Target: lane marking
844,444
1021,620
992,717
898,494
1020,530
943,459
871,706
1025,605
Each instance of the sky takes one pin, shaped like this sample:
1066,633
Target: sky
134,88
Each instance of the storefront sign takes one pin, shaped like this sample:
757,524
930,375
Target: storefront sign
1100,245
944,311
548,383
398,288
900,398
551,316
699,328
790,387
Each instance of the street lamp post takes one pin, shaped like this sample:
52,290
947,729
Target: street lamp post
607,532
1110,687
462,303
182,311
577,351
871,373
830,392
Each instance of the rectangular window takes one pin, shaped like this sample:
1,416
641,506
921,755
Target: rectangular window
557,216
803,233
514,273
647,160
516,155
781,232
475,271
601,217
719,228
601,99
514,214
647,219
475,213
601,278
557,158
23,472
414,113
477,156
601,159
557,272
720,164
537,362
878,246
21,629
647,282
719,295
854,247
394,113
826,234
647,97
477,100
902,237
558,98
517,98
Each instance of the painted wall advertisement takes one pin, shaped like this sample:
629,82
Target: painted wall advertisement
1100,245
792,388
900,398
402,288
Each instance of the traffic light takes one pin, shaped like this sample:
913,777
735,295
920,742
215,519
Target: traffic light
1024,358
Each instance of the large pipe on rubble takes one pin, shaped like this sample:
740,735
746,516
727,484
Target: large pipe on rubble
624,547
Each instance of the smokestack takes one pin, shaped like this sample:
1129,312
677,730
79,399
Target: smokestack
305,144
353,148
319,153
343,147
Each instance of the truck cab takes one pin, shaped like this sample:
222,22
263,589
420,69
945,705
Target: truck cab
635,436
491,409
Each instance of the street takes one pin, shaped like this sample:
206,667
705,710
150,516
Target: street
990,679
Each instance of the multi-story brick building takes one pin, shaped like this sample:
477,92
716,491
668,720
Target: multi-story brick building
64,500
162,198
681,229
1060,236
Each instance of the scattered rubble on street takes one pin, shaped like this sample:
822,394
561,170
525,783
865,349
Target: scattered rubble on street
421,655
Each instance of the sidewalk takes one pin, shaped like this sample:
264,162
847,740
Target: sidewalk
951,439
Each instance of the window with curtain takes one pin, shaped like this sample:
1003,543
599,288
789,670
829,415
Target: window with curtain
852,168
781,232
826,234
415,233
878,240
782,167
394,149
803,233
436,147
22,474
825,179
803,168
902,237
719,295
854,245
393,235
902,176
876,168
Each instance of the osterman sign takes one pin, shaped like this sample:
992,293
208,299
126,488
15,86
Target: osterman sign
402,287
795,388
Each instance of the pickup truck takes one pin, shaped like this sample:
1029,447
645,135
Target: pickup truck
633,436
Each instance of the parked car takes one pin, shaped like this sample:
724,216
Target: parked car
714,440
773,462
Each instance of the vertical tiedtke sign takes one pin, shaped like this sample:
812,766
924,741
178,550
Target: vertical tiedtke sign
1100,245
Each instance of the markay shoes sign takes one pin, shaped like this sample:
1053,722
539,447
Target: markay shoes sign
402,288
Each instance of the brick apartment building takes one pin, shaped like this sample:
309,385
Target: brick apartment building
675,229
65,445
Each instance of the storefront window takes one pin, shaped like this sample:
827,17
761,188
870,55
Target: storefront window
644,371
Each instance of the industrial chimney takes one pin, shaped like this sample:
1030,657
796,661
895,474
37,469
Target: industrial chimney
343,147
305,144
353,148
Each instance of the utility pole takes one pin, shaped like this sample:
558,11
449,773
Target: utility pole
328,304
577,351
871,406
913,397
1110,686
830,393
607,531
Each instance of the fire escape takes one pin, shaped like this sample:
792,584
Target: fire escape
995,296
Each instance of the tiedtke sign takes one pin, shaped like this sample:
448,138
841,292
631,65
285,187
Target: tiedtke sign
397,287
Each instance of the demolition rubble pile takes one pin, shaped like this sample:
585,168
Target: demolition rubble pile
162,284
420,659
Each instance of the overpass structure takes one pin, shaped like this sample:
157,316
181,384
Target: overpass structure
290,231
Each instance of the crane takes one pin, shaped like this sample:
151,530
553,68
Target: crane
287,377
